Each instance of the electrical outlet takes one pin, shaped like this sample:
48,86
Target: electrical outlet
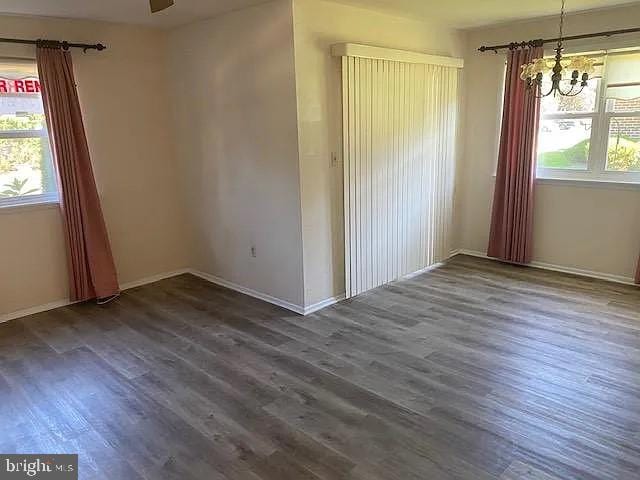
253,251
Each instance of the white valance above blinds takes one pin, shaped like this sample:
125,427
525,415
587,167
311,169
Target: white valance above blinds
378,53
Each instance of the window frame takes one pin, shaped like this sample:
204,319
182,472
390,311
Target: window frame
598,141
31,199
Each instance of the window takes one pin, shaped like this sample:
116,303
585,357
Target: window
26,166
595,135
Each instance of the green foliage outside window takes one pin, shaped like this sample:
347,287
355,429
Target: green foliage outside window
572,157
17,187
24,151
623,154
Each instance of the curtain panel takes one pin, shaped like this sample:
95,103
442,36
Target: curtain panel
510,237
92,272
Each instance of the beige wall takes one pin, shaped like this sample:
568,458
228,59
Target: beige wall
122,92
593,228
218,137
318,25
237,132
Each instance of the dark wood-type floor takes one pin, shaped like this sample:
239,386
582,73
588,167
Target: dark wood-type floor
473,371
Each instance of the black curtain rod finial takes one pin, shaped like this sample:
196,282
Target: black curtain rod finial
99,47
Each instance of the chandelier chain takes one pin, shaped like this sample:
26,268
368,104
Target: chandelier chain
561,23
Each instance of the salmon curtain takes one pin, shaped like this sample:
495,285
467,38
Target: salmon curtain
92,272
512,214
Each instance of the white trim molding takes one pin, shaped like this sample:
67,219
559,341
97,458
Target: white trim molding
66,302
565,182
299,309
421,271
307,310
327,302
33,310
205,276
248,291
558,268
154,278
380,53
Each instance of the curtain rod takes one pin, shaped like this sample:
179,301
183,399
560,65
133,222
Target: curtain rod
55,43
540,41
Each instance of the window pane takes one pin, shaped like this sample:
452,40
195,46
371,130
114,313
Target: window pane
623,149
21,121
623,68
564,143
625,102
20,111
586,101
20,100
25,167
623,82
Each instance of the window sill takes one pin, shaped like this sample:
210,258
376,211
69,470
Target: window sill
44,205
572,182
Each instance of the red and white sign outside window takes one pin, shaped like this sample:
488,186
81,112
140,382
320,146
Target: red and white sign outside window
22,85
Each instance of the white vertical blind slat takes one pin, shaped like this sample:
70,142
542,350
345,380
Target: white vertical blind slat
346,79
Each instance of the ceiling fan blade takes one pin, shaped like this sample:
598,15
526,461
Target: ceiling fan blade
157,5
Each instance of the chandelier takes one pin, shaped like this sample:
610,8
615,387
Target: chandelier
573,69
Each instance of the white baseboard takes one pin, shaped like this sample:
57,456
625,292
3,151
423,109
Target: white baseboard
421,271
323,304
316,306
559,268
65,302
333,300
269,298
154,278
161,276
248,291
5,317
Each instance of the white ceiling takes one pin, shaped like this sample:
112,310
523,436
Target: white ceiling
125,11
474,13
457,13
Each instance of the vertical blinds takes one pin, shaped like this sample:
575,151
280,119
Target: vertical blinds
399,122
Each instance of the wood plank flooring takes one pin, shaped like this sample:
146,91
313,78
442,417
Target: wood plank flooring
475,371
